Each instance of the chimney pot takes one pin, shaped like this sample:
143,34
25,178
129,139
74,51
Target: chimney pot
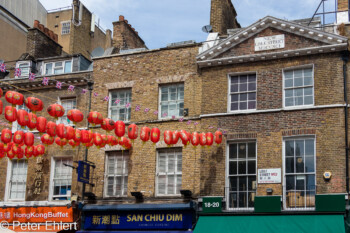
41,27
36,23
125,21
133,29
56,37
46,31
52,35
121,18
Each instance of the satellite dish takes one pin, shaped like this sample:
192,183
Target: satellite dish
97,52
207,29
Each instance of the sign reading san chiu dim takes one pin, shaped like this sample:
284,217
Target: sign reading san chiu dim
269,42
149,220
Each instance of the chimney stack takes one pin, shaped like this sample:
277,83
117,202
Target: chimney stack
223,16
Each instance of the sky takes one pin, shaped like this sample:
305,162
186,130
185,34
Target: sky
160,22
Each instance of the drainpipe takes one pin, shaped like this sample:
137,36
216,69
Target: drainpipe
90,85
345,58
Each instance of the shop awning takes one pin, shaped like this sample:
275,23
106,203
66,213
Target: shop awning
271,224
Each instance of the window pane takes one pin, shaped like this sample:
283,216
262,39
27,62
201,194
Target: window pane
242,183
233,151
233,168
251,150
288,83
243,105
308,100
234,88
251,167
233,183
242,151
290,165
309,147
242,167
234,98
234,106
68,67
252,96
48,68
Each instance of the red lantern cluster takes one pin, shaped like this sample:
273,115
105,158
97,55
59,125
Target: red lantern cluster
34,104
55,110
14,98
75,115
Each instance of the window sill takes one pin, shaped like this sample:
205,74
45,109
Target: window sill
298,107
243,111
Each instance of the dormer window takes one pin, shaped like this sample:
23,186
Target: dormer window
25,67
59,67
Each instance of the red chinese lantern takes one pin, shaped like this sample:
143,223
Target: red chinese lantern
110,138
32,121
184,137
55,110
22,118
75,115
18,137
10,154
34,104
97,139
155,135
218,137
70,132
104,140
210,138
86,136
145,134
28,139
14,98
6,136
202,139
8,146
1,107
39,150
10,114
127,144
51,128
95,118
73,143
17,150
47,139
61,141
61,131
122,141
77,135
1,92
108,124
195,139
90,144
114,141
119,129
1,146
132,131
29,151
2,154
176,136
41,124
168,137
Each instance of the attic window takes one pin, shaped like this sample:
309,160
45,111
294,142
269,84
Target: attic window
65,27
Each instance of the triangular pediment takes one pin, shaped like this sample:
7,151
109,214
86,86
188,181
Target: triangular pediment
272,37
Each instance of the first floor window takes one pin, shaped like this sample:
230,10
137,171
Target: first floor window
59,67
116,178
67,104
62,179
171,100
300,183
25,69
118,106
241,175
169,172
18,180
298,87
243,92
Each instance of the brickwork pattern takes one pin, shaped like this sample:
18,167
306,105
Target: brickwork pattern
223,16
39,45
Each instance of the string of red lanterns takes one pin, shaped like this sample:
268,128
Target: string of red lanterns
61,134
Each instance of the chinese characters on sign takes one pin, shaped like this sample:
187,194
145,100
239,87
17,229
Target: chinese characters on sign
269,42
83,172
269,176
38,175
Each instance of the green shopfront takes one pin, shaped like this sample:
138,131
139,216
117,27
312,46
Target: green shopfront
267,217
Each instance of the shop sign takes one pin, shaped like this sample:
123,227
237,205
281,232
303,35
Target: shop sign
37,215
269,176
136,221
83,172
269,42
212,204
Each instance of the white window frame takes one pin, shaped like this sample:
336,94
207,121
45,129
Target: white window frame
65,31
125,173
16,126
62,99
227,189
9,178
301,137
119,107
229,91
177,101
175,173
29,63
52,175
308,66
53,63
